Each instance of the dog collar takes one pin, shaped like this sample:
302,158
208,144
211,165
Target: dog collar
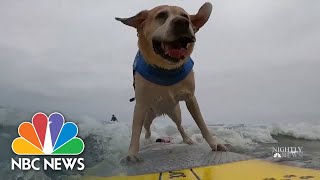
161,76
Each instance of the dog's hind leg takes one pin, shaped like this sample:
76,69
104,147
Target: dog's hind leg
147,123
175,115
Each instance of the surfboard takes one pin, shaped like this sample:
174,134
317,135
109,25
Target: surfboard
167,162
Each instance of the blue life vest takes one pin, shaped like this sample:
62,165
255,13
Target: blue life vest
160,76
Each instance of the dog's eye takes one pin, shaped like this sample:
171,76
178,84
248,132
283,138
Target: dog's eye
184,15
162,15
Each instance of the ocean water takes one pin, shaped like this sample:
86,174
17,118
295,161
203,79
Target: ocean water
107,143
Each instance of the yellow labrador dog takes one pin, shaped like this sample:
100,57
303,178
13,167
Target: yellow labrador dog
164,74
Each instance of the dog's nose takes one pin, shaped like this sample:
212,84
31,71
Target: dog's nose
180,25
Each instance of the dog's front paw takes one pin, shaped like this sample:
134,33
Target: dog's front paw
187,140
131,158
220,147
215,146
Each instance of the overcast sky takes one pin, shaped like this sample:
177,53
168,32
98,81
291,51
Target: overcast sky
255,61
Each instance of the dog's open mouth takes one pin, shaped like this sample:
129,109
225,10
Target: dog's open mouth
173,51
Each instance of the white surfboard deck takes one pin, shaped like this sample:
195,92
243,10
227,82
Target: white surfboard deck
170,157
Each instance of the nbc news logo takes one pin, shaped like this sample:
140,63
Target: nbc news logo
48,136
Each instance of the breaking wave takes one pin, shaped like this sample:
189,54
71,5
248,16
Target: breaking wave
110,141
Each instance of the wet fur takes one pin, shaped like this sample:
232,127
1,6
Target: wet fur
154,100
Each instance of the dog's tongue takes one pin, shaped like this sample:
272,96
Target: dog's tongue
176,52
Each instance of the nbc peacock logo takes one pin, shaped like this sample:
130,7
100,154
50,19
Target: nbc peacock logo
48,136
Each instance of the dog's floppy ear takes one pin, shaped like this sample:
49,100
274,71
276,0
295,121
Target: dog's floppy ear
199,19
134,21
